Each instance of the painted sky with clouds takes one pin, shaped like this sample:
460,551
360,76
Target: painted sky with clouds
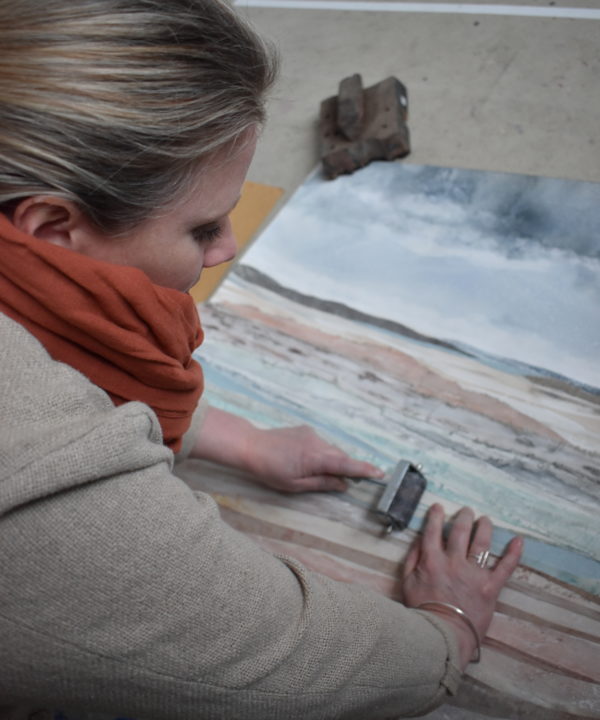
507,264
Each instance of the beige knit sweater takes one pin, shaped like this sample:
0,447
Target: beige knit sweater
121,592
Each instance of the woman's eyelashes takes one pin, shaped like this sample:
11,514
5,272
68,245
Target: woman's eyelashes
207,233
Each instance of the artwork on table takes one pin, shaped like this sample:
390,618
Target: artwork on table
503,267
451,318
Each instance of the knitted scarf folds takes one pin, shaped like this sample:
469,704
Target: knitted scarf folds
130,337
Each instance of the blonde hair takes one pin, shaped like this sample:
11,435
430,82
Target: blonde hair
112,103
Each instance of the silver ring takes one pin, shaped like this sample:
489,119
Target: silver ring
481,558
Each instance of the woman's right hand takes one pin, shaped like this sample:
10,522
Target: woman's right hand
445,571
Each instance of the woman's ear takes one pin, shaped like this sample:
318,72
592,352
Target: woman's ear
54,219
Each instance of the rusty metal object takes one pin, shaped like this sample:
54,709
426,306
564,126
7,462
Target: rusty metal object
351,107
360,125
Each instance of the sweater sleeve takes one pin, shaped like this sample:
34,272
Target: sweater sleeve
122,592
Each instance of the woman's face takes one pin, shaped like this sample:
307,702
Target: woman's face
196,233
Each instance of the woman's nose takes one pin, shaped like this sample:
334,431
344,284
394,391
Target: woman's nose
223,249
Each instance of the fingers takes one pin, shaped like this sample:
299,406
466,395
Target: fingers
460,533
432,535
363,469
468,538
482,536
412,558
342,464
508,562
333,461
318,483
323,458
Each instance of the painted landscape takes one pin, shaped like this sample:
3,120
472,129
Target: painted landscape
451,318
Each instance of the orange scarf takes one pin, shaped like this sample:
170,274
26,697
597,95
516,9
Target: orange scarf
130,337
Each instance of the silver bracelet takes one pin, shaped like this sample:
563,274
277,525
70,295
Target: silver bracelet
461,614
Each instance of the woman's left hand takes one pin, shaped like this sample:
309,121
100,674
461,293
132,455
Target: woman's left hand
296,459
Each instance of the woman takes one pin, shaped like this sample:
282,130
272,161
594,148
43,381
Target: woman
126,131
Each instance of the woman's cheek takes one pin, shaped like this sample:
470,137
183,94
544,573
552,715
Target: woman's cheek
193,268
